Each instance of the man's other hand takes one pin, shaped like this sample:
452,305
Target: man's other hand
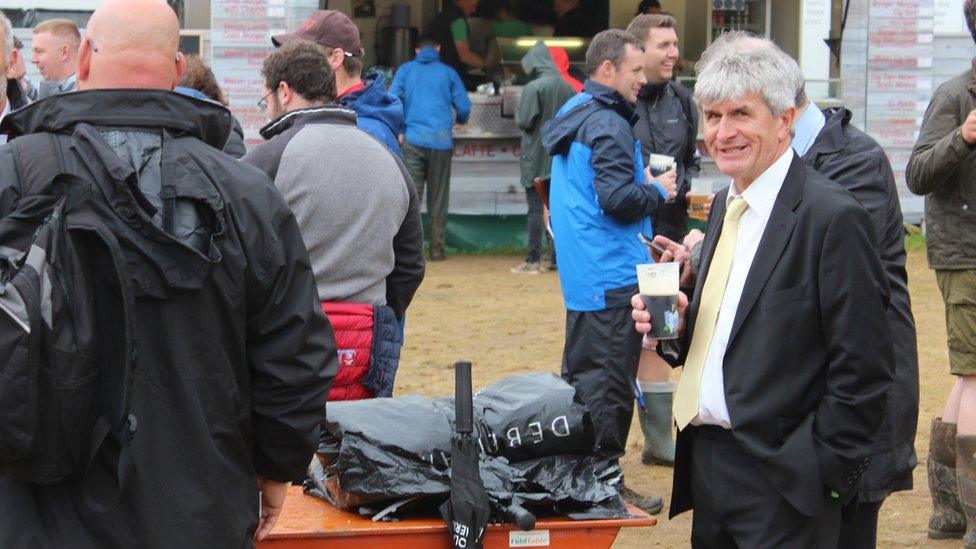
969,128
272,499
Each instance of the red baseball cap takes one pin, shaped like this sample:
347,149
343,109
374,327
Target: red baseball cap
329,28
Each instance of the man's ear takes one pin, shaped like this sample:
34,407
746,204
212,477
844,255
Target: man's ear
788,119
84,63
180,68
65,54
337,57
285,95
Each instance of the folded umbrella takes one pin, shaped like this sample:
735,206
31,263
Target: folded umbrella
468,508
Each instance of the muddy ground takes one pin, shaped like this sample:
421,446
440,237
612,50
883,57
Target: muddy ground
472,307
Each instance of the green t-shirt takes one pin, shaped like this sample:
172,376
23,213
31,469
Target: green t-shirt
459,30
513,28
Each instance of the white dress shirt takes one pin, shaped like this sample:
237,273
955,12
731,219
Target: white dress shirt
760,196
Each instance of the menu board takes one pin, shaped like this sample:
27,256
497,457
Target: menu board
948,17
240,36
886,68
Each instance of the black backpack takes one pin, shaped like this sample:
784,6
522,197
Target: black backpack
66,328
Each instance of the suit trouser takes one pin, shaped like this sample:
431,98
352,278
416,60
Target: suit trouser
735,506
860,531
431,167
600,362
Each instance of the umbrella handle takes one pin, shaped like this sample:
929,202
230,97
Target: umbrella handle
463,413
518,515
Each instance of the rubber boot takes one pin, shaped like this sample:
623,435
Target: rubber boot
655,422
947,520
966,474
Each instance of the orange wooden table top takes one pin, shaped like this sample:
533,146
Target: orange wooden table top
309,522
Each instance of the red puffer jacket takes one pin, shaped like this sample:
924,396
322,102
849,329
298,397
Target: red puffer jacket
368,341
353,327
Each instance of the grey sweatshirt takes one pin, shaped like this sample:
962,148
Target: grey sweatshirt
356,207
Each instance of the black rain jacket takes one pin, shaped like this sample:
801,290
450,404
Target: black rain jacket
855,161
235,355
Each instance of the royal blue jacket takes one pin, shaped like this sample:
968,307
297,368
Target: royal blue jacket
429,89
377,113
598,198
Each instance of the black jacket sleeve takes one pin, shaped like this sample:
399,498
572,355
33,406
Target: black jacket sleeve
858,347
9,181
290,347
408,254
612,146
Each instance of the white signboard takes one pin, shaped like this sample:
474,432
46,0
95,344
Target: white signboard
948,17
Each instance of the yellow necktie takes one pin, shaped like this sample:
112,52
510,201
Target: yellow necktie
686,394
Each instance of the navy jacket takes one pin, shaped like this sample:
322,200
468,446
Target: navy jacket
598,198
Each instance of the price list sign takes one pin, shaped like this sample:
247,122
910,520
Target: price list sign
241,32
886,68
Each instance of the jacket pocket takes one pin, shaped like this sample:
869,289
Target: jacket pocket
779,298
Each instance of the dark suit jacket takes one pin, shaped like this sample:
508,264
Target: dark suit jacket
808,363
855,161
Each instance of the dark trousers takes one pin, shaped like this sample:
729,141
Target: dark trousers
860,531
433,168
600,362
736,507
536,227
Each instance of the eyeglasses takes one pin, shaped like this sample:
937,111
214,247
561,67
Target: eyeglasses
263,103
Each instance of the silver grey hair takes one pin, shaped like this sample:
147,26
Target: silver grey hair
8,32
738,63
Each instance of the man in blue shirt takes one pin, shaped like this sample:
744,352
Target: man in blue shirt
433,97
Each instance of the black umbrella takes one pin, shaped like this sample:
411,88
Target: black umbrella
467,511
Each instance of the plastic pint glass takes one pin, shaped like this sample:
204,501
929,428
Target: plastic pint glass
658,283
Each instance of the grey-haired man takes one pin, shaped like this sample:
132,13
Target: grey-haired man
783,387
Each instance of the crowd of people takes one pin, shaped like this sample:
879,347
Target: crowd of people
268,283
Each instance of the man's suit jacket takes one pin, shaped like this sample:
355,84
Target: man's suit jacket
808,363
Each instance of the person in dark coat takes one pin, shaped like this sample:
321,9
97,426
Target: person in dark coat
198,77
235,355
450,29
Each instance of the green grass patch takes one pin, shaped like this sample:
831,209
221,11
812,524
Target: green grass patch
914,242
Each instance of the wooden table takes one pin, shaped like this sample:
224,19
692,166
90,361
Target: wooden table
307,522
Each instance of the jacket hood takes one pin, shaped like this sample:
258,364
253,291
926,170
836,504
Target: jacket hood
561,59
831,138
650,91
374,102
558,134
180,114
427,54
538,62
328,114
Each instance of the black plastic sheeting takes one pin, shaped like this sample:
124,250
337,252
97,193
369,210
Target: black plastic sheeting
536,440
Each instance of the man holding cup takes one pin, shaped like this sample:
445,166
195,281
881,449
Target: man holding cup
785,346
600,198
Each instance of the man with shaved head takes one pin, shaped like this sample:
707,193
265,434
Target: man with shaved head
235,357
54,51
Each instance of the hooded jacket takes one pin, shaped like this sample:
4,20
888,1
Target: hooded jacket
539,103
429,90
561,59
378,113
598,198
235,141
855,161
668,125
235,356
943,169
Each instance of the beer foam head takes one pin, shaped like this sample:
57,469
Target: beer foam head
658,278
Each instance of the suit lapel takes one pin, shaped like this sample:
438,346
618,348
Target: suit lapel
779,228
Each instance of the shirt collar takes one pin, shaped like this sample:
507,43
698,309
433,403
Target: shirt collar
807,128
761,195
